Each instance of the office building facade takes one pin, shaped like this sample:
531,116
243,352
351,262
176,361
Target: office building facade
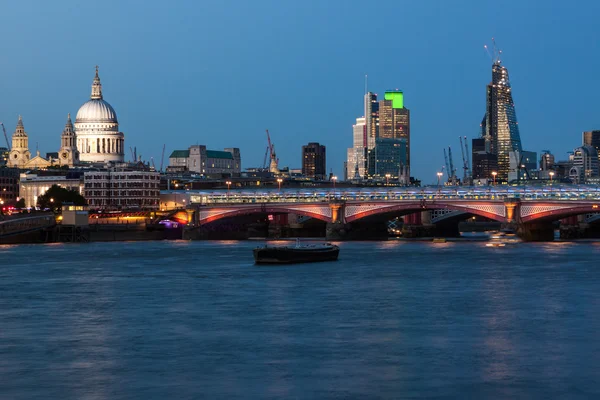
211,163
394,119
388,157
592,138
314,161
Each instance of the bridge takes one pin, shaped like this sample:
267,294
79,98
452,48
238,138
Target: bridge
13,228
524,208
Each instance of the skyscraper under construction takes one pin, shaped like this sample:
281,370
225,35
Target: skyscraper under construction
499,126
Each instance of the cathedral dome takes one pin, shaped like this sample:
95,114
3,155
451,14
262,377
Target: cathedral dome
97,129
96,111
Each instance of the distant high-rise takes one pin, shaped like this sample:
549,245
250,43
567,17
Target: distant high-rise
394,119
500,127
484,162
592,138
356,160
371,119
313,160
388,158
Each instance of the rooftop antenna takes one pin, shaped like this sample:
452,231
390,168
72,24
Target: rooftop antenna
366,83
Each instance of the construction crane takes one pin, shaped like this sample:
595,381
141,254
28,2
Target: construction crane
5,136
274,164
448,169
465,158
132,155
264,164
452,170
162,158
152,160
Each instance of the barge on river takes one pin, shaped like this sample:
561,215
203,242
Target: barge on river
296,254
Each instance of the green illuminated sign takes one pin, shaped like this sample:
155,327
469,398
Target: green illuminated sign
397,98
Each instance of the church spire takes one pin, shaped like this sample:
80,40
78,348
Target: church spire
96,87
20,122
68,126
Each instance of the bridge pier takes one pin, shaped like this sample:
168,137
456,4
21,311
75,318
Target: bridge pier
536,231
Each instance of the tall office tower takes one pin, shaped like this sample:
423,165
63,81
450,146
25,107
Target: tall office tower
356,160
371,112
313,161
592,138
500,125
371,119
394,119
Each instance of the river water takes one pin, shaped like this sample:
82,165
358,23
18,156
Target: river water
396,319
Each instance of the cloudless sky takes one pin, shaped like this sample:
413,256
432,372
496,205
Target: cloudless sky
219,72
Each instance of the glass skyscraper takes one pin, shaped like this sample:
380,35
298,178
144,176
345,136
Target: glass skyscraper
500,127
394,119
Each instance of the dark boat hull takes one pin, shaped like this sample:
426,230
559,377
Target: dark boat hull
292,255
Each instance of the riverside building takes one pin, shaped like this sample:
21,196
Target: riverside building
122,188
209,163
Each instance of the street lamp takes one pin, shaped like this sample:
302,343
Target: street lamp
494,173
279,180
551,173
387,179
228,183
439,175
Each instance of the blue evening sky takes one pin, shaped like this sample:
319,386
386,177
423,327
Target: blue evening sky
219,72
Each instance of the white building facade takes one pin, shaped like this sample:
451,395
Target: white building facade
32,186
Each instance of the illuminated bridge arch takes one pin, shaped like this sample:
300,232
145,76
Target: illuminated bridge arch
211,214
492,210
552,211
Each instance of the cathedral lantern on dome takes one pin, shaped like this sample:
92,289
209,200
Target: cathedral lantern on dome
97,129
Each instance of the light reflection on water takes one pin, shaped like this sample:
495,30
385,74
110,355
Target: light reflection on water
391,319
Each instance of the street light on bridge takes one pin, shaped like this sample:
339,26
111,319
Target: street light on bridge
279,180
387,179
494,173
439,175
228,183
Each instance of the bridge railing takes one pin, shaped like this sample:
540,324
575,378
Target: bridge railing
392,195
26,224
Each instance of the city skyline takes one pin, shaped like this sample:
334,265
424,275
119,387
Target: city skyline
154,78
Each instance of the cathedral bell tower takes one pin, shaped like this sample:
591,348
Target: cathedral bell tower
19,154
68,154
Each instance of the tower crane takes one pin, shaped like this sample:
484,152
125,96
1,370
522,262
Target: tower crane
465,158
5,136
264,164
274,165
452,170
162,158
448,169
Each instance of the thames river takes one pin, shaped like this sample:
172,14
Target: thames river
389,320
